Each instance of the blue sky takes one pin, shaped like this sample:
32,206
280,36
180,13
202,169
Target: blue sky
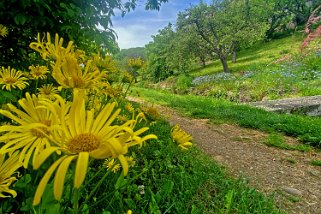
137,27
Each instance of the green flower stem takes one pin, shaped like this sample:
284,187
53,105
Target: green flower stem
113,192
96,174
96,187
36,86
75,198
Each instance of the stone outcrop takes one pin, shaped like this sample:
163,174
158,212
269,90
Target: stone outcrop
304,105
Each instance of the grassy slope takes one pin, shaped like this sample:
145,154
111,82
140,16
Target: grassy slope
261,53
307,129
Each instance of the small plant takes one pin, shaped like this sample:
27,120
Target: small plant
315,162
278,141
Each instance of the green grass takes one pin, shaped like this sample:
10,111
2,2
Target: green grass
315,162
307,129
189,182
278,141
261,53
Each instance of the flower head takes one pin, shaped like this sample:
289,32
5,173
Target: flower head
47,49
85,135
11,79
112,165
48,91
69,73
3,31
181,137
38,72
33,123
7,168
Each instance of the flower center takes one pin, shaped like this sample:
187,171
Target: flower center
78,82
38,73
41,132
83,143
47,90
9,80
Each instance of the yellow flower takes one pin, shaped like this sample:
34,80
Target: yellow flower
70,74
38,72
122,118
130,108
152,113
3,31
48,49
32,124
111,165
113,91
7,168
48,91
181,137
11,79
107,64
85,135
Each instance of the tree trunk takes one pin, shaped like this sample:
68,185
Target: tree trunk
234,56
203,62
224,63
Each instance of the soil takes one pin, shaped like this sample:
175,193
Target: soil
287,175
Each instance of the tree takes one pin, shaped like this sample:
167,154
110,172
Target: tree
287,14
158,54
76,20
222,25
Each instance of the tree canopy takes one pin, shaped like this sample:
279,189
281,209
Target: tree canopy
87,22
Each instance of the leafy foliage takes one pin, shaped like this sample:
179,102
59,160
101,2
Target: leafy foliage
75,20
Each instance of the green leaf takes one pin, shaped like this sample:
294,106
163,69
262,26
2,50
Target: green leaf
20,19
121,182
23,182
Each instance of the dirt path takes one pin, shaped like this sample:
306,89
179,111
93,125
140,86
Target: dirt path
297,184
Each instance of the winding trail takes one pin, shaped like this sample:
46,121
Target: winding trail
288,175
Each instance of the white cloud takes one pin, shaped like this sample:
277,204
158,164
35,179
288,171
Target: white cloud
137,27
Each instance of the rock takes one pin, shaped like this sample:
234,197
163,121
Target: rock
292,191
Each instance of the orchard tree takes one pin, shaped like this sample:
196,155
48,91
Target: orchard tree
288,14
158,54
87,22
223,25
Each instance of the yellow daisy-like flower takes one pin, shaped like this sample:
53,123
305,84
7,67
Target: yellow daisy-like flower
11,79
70,74
38,72
7,168
113,92
112,165
3,31
48,91
122,118
33,124
107,64
49,49
152,113
129,107
85,135
181,137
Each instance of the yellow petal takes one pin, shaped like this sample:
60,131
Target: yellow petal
43,183
60,177
40,158
81,169
124,163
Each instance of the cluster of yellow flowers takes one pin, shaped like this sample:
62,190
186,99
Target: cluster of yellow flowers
48,125
181,137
